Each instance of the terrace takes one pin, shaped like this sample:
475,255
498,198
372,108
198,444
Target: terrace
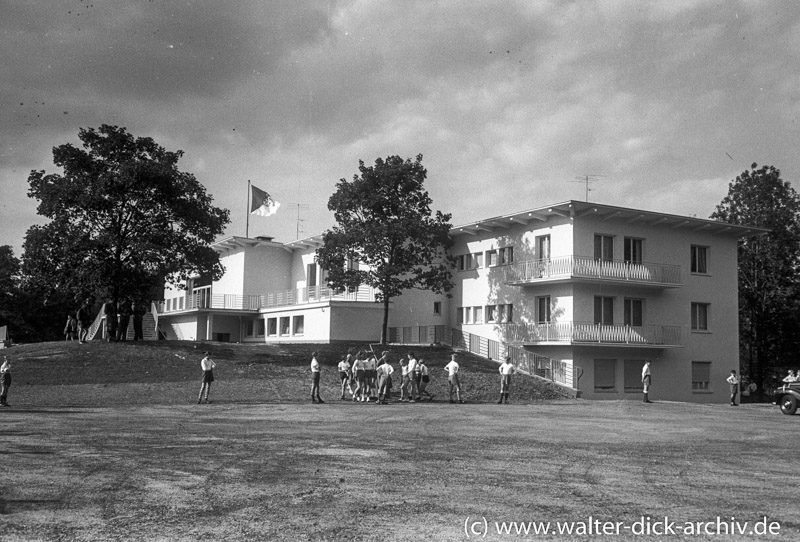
583,268
577,333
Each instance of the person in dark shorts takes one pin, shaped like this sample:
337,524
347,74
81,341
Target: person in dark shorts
84,318
506,370
344,376
5,381
207,364
315,374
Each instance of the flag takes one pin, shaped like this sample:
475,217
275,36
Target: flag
262,203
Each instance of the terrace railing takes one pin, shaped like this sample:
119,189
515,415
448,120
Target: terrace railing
589,333
526,362
568,267
204,298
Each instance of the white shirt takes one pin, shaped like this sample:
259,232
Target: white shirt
412,365
344,366
645,371
207,363
386,369
423,369
733,379
451,368
506,368
314,365
5,367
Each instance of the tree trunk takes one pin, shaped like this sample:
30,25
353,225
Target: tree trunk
385,326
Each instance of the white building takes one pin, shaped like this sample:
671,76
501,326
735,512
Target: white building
581,293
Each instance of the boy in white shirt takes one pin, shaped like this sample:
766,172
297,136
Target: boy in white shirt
207,364
315,374
452,377
344,375
506,370
733,380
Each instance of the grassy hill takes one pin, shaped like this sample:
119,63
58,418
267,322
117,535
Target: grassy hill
168,372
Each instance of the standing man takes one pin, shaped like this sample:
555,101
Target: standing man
385,371
110,310
123,319
646,381
733,380
138,310
207,364
412,371
84,318
506,370
452,377
5,381
424,380
344,376
315,372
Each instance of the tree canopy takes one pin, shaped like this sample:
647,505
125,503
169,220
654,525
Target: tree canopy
385,223
769,291
123,219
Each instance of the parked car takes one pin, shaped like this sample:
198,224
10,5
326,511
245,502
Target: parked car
788,397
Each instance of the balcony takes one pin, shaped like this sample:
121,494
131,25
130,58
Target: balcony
580,333
204,298
581,268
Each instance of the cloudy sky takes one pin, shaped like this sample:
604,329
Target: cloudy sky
665,102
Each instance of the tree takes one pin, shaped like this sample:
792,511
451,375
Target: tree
124,220
384,221
769,292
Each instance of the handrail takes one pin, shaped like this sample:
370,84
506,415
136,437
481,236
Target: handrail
586,267
587,332
98,321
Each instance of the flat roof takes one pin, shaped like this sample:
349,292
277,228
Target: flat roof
580,209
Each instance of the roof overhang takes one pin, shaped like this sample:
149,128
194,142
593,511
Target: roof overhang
581,209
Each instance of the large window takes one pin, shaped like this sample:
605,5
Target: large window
603,247
604,310
701,375
700,316
699,259
543,309
633,375
285,325
311,275
633,250
272,326
506,255
254,328
299,324
634,309
605,375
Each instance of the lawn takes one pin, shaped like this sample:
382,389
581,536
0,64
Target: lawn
103,442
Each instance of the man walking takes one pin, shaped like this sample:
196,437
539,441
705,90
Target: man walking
315,373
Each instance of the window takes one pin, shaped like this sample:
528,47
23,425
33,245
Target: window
248,328
491,314
701,375
699,259
260,327
299,324
633,312
460,315
603,247
700,316
477,260
543,247
477,315
604,310
491,258
437,308
633,250
470,261
506,255
254,328
272,326
605,375
352,263
632,375
543,309
284,325
496,314
311,275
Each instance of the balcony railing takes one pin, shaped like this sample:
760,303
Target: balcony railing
203,298
568,267
588,333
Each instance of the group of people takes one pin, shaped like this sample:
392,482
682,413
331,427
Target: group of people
792,377
118,317
373,378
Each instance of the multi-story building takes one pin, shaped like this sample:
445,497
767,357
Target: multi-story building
587,292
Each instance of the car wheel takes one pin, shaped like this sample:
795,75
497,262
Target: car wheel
789,404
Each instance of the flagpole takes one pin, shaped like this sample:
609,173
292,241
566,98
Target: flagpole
247,226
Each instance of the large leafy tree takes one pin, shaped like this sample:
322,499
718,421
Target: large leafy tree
384,222
123,219
769,268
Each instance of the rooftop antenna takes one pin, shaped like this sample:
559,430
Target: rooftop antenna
299,228
587,178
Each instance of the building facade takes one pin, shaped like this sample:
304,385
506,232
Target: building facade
598,288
